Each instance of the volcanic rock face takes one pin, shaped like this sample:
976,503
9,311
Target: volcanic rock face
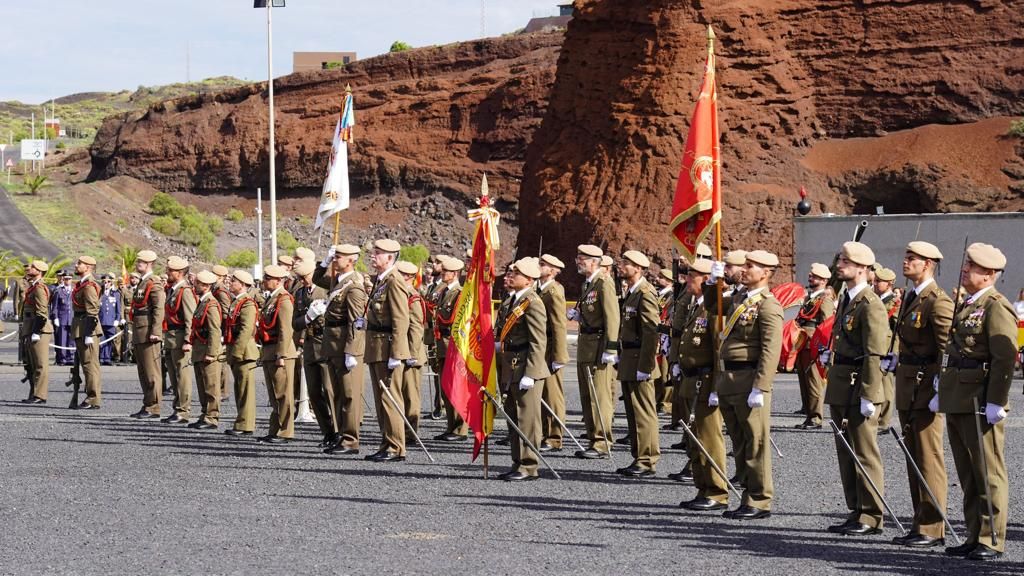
792,75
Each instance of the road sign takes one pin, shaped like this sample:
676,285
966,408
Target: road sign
10,163
2,147
33,149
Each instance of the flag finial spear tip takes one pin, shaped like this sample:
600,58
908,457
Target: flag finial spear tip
483,186
711,33
348,88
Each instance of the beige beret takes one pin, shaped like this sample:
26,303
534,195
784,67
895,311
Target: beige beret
243,277
285,260
303,253
176,263
736,257
452,265
637,258
763,258
274,271
666,273
441,258
701,266
552,261
87,260
529,267
590,250
407,268
703,250
136,275
39,265
387,245
304,268
885,275
206,277
924,250
146,256
986,256
821,271
220,270
607,261
858,253
876,267
346,250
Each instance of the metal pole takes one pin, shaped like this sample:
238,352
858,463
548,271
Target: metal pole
711,461
270,90
560,423
401,412
259,228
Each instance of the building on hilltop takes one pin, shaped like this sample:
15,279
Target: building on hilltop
306,61
543,23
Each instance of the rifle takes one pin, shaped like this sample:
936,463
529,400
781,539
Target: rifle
76,380
835,283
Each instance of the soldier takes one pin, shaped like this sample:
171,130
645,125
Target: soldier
413,371
110,318
431,293
557,354
85,329
681,310
60,314
748,356
444,315
278,356
301,386
816,308
344,342
735,260
499,321
663,384
854,391
638,367
147,316
240,325
597,312
387,348
223,295
523,343
923,328
127,290
287,263
977,372
882,286
205,338
178,313
308,323
36,331
695,360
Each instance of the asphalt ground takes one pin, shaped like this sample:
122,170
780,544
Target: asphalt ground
100,493
17,233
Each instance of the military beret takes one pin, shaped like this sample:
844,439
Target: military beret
763,258
206,277
858,253
924,250
136,275
243,277
701,266
590,250
986,256
821,271
666,273
607,261
736,257
64,273
285,260
637,258
529,267
452,265
885,275
39,265
552,261
87,260
220,270
703,250
876,267
146,256
107,276
387,245
346,250
274,271
441,258
407,268
304,268
303,253
176,263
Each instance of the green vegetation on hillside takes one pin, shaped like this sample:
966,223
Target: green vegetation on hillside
1017,128
187,224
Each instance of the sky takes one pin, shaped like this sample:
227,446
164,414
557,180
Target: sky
53,48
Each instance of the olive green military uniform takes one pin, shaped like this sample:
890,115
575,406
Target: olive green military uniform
430,297
682,311
638,345
552,294
225,299
444,314
278,344
860,339
598,316
982,350
816,308
147,315
892,305
412,374
314,362
387,338
206,341
749,354
85,304
35,320
523,337
180,308
242,354
923,327
663,391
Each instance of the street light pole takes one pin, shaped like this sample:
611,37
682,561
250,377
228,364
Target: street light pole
273,152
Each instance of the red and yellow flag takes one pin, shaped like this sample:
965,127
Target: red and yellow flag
470,365
698,201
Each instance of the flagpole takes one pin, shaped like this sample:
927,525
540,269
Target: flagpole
337,225
720,284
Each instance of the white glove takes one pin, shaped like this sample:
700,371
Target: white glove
889,363
360,323
351,361
526,383
642,376
756,398
316,310
933,404
555,366
411,362
392,363
994,413
713,399
497,347
88,340
935,383
676,371
326,262
717,270
663,343
825,357
35,337
609,358
866,408
56,322
573,314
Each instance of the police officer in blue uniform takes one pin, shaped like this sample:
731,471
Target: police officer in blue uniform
111,314
60,315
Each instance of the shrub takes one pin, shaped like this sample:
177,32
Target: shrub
1017,129
206,249
215,224
166,225
164,204
417,254
399,46
235,215
245,259
285,241
61,146
35,183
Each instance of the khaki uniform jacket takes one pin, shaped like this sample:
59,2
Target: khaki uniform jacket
178,312
984,331
638,333
598,314
417,319
35,310
923,330
387,320
444,311
85,303
147,310
681,310
223,297
241,321
859,340
346,303
553,296
276,326
206,328
813,312
696,347
525,340
755,337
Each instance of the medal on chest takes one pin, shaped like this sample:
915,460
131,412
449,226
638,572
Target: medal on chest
916,318
848,322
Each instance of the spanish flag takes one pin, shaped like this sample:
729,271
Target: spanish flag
470,365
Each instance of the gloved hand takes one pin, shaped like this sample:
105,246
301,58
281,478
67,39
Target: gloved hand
497,347
393,363
609,358
328,259
889,362
154,338
994,413
360,323
756,398
642,376
935,383
867,408
713,399
555,366
88,340
933,404
664,342
717,270
676,371
825,357
526,383
56,322
411,362
573,314
351,361
35,337
316,310
186,347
